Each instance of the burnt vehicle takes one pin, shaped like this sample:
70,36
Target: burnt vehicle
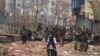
67,36
81,40
37,36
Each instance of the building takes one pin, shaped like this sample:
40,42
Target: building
52,12
77,8
62,12
92,13
89,14
2,11
19,4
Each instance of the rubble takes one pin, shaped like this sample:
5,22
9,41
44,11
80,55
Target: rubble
38,48
14,44
29,49
3,50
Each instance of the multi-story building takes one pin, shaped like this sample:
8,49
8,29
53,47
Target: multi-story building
63,11
52,12
92,15
77,6
11,5
88,14
2,10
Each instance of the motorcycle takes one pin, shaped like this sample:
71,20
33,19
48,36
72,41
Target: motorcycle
51,50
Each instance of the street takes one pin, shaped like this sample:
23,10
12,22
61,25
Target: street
38,48
65,20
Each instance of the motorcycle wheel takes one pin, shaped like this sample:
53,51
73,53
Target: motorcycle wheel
50,53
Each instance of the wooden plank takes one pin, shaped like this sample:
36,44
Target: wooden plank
13,35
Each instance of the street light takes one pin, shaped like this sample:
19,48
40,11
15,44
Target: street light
11,22
22,11
42,21
10,14
41,17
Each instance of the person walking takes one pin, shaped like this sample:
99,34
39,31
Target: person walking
24,35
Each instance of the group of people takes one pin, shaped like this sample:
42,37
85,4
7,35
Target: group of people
79,36
28,34
56,34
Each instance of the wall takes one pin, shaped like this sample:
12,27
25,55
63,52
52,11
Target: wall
96,28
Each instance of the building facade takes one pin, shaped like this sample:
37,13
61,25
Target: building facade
92,15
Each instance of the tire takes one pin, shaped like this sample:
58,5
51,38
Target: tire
50,53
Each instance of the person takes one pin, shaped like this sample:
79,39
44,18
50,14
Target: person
68,36
24,35
29,34
62,35
77,33
40,35
46,33
51,41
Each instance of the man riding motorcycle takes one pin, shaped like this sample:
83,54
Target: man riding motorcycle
51,42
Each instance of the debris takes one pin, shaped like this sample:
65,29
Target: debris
38,48
95,53
3,50
65,52
14,44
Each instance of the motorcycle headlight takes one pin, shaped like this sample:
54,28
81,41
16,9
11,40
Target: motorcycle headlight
51,47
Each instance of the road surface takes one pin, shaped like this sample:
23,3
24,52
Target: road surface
38,48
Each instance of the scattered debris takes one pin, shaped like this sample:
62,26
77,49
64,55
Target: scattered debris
37,48
3,50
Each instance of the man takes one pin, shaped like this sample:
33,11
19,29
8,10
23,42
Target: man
24,35
46,33
29,34
68,36
51,41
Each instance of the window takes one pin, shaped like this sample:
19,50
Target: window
53,3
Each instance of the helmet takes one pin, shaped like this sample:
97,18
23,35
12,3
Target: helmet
51,36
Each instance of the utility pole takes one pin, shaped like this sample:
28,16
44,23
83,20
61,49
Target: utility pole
35,15
42,22
42,13
14,16
32,15
23,13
